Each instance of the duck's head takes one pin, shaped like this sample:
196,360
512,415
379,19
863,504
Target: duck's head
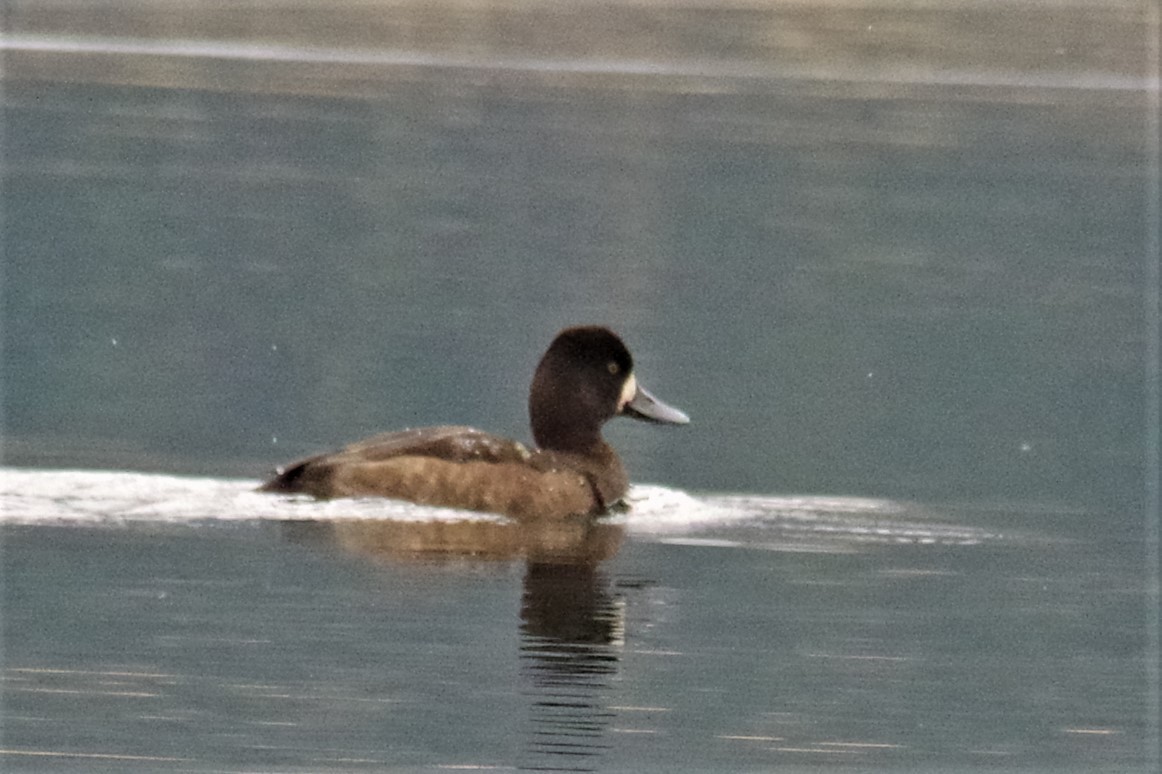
585,379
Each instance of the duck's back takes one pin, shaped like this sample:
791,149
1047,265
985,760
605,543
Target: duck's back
447,466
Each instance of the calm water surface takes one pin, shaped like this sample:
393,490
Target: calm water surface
889,259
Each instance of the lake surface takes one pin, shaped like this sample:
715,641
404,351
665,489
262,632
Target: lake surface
158,623
898,263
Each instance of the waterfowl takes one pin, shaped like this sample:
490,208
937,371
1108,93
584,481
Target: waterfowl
584,379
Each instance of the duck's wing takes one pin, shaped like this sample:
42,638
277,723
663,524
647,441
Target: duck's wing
449,443
452,443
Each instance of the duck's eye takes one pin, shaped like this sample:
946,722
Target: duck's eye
613,367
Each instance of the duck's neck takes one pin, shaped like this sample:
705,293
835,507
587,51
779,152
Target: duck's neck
568,438
562,421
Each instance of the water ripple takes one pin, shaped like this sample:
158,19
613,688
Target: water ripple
713,69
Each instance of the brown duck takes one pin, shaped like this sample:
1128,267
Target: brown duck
584,379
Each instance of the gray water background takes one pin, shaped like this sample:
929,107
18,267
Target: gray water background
885,251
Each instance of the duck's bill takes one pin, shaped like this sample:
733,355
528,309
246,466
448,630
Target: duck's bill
646,407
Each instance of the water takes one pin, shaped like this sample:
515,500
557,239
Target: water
890,260
193,624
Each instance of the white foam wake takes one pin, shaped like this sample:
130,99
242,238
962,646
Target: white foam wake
62,497
108,498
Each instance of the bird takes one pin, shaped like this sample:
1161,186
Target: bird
584,379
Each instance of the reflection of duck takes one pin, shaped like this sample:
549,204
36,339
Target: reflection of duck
568,609
583,380
571,541
571,631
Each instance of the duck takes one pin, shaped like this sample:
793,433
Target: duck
585,378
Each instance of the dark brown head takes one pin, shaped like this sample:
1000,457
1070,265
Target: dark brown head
585,379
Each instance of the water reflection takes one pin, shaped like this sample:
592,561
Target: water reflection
581,542
571,625
571,629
